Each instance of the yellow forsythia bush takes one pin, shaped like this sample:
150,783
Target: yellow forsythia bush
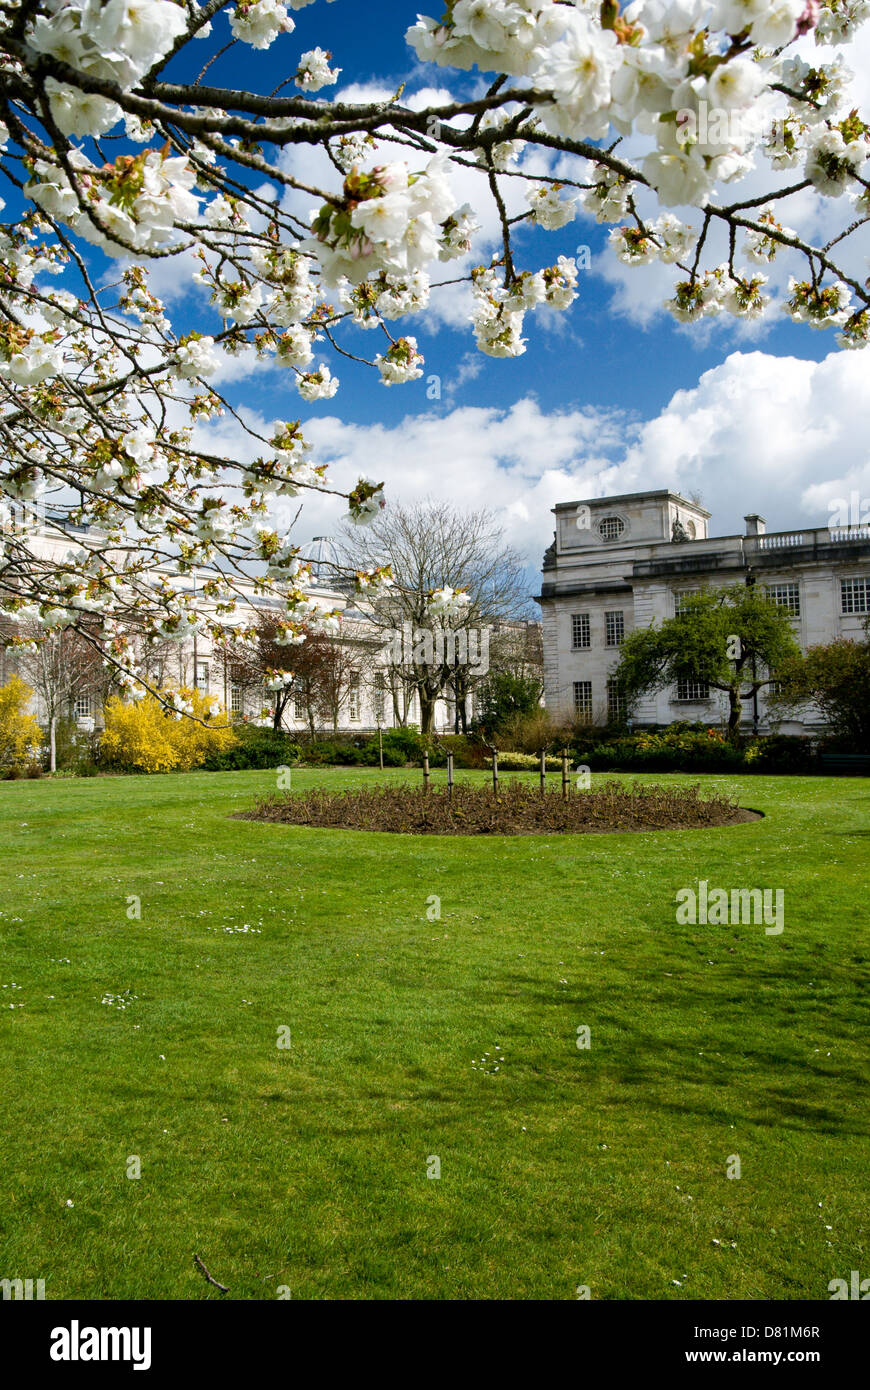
20,735
141,737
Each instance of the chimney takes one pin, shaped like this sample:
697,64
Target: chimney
755,524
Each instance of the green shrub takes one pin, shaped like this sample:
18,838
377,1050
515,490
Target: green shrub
467,752
331,752
677,749
405,739
502,697
256,747
784,753
401,746
695,748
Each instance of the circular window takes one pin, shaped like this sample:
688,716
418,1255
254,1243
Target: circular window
611,528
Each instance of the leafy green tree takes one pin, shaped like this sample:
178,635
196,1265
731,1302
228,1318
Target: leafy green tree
836,678
731,638
504,695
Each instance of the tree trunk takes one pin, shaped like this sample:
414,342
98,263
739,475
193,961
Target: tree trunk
400,705
460,695
427,712
52,743
734,713
278,712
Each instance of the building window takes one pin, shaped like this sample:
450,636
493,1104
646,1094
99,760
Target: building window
614,629
202,675
617,704
353,708
237,690
583,699
580,634
680,600
693,691
82,707
611,528
855,594
380,697
786,596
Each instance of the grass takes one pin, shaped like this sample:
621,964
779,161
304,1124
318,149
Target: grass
305,1168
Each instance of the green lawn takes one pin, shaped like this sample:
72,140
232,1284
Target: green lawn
306,1167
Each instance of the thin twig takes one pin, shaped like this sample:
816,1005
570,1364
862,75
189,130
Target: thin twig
199,1262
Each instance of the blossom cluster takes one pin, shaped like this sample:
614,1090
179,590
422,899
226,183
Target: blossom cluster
387,220
118,40
499,309
133,204
659,68
448,603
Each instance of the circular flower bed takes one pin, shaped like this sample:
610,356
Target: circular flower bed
518,809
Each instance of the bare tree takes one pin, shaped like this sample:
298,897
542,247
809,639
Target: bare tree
162,663
433,546
64,667
339,679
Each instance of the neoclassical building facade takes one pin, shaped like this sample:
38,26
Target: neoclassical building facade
620,563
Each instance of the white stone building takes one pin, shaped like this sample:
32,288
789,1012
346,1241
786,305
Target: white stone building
620,563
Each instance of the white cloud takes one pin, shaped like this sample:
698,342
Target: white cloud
520,461
774,435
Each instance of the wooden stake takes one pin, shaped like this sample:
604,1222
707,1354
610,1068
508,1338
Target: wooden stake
495,772
543,771
425,772
564,774
450,775
381,747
